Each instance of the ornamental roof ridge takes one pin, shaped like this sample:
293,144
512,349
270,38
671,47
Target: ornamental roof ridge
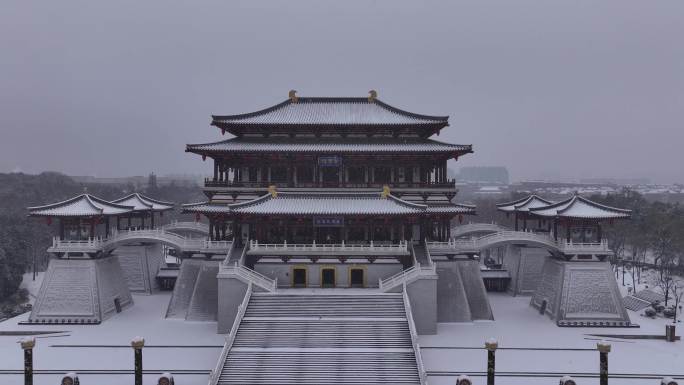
156,201
134,197
564,207
523,200
98,206
99,201
300,112
597,205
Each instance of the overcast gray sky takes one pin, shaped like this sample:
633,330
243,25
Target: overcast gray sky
548,88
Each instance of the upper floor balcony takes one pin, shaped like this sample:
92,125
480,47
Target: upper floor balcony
214,183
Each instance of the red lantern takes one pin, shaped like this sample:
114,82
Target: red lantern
223,131
197,217
48,220
204,157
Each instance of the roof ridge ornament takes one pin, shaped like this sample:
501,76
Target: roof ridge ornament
293,96
272,190
372,95
385,191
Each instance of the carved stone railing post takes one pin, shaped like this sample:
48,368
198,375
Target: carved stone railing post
27,344
603,348
491,345
137,344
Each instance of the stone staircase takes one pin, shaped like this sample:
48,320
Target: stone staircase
322,339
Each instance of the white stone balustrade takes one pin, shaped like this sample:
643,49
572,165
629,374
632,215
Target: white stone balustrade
318,249
118,238
475,245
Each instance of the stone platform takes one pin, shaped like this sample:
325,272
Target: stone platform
580,294
81,291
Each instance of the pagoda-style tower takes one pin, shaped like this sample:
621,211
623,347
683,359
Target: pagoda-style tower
81,287
573,285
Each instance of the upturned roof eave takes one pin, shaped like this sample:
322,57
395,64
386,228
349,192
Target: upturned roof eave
232,119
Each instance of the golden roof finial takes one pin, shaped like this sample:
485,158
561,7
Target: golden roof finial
372,95
272,190
293,96
385,191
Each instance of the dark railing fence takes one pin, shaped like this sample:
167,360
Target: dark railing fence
491,345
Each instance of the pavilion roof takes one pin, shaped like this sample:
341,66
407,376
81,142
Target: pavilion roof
84,205
578,207
524,204
327,203
142,203
333,111
329,145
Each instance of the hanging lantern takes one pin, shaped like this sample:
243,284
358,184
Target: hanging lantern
204,157
223,131
161,214
48,220
460,218
197,217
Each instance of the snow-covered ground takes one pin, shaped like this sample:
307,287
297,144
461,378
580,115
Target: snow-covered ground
517,325
198,351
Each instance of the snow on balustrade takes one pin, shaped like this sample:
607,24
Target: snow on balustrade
472,228
250,275
542,239
118,238
414,336
405,276
398,249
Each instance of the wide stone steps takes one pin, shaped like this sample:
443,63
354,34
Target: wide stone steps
323,333
387,306
310,339
280,368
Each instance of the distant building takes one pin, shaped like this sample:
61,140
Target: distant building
480,174
141,182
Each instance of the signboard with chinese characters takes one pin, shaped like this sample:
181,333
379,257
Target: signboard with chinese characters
330,161
328,221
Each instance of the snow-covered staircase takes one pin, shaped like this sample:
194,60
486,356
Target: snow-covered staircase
322,339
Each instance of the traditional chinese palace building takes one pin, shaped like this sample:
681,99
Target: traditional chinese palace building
338,171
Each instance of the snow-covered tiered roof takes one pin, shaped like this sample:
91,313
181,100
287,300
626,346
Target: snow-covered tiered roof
336,111
84,205
523,204
325,203
142,203
330,145
577,207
